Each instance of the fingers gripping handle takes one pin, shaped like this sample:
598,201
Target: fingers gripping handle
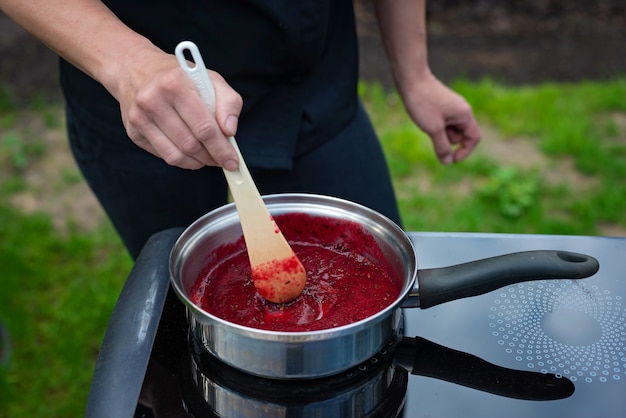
197,72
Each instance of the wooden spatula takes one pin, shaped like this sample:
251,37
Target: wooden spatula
278,274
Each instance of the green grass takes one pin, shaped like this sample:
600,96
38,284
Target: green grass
56,297
57,291
584,123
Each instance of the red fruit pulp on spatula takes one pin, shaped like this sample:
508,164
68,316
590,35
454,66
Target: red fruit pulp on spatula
275,278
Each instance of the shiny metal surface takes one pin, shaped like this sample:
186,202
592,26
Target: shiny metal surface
373,389
291,355
302,355
563,324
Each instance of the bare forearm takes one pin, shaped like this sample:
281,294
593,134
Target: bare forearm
159,104
84,32
444,115
403,29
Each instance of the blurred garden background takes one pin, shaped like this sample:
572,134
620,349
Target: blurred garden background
546,78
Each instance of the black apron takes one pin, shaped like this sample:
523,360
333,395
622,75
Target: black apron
295,63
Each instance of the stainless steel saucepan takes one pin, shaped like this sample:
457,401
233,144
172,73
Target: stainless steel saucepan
313,354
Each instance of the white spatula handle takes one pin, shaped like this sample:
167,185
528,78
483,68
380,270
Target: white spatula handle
255,218
197,72
268,250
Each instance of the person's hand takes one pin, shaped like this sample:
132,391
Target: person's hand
163,113
445,116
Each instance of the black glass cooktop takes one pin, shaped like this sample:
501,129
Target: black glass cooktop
536,349
570,328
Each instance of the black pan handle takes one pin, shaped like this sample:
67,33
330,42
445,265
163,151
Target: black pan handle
445,284
426,358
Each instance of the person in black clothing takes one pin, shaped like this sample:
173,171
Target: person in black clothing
285,74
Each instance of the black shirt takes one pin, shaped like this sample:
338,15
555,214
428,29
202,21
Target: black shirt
293,62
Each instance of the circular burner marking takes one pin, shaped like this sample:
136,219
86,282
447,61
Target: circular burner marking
563,327
571,327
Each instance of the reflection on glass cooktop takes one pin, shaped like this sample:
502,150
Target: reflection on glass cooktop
547,348
572,329
544,348
376,388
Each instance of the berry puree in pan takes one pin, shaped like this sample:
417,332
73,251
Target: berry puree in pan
348,279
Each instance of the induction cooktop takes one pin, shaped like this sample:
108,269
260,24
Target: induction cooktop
544,348
574,329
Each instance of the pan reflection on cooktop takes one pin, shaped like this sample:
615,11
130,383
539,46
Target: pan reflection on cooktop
376,388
